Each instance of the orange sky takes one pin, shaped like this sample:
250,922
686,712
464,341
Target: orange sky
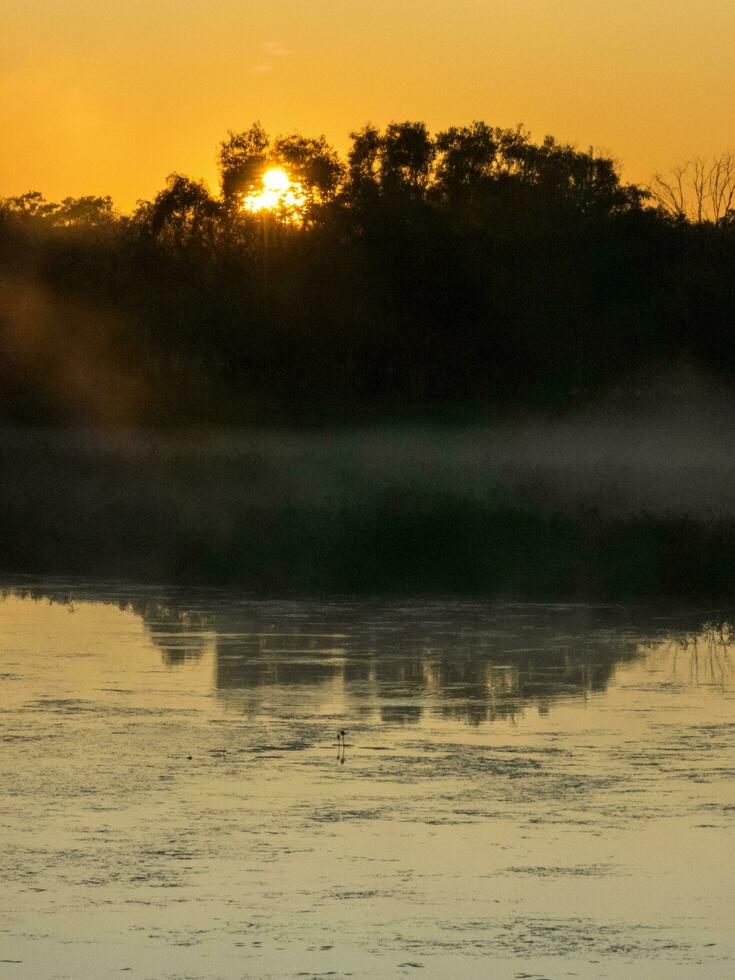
109,97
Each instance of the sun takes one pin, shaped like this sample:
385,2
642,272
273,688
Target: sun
276,180
276,192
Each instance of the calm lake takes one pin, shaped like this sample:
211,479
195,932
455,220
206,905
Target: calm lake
524,790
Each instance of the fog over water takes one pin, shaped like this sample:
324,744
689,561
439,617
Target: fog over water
524,789
673,453
612,505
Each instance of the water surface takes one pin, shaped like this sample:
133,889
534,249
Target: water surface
525,790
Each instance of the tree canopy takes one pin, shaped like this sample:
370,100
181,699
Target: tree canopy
469,270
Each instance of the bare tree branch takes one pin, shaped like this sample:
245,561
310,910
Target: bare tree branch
699,190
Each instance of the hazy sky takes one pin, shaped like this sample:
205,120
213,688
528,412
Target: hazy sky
109,96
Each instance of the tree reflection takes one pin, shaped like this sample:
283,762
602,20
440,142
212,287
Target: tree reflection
472,662
179,632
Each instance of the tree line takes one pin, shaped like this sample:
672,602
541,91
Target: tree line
450,275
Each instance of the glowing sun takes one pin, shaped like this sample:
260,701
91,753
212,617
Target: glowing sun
277,193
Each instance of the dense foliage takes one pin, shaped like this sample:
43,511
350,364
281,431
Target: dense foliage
455,274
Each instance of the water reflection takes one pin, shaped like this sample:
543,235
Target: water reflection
469,661
466,661
180,630
705,658
156,740
180,634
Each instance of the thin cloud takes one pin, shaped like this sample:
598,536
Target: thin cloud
270,49
275,48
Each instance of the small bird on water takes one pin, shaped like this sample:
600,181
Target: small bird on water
341,744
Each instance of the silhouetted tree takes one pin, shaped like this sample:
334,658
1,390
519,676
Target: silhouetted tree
311,162
478,269
85,212
698,190
364,159
407,155
467,157
31,205
588,183
242,157
183,214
